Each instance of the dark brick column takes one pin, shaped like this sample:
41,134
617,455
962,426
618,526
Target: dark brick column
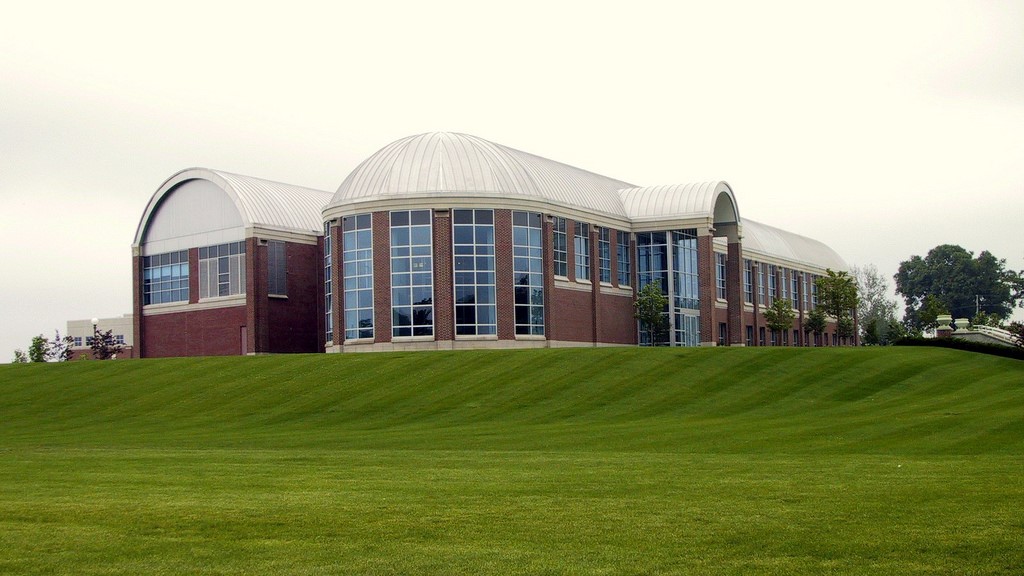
256,305
595,283
381,277
706,287
504,276
444,305
570,249
734,293
193,275
549,273
137,299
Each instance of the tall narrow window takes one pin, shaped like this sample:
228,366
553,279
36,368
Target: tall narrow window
784,282
687,294
652,268
328,286
222,270
794,289
165,278
581,244
748,282
773,292
475,304
625,267
561,247
277,268
528,272
604,254
412,274
814,292
357,270
760,283
720,272
805,292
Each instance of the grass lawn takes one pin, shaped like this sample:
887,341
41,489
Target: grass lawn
609,461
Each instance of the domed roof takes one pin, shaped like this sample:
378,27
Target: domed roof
451,165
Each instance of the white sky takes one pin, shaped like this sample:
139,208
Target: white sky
882,128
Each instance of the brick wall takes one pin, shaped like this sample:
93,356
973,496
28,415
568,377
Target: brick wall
215,332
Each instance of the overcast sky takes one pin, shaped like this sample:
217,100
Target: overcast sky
881,128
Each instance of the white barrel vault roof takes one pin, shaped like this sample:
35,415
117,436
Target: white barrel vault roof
260,203
446,164
771,242
676,201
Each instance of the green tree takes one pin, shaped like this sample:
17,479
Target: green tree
983,319
816,322
649,309
37,350
876,312
962,284
837,294
779,316
59,349
20,357
104,346
1017,333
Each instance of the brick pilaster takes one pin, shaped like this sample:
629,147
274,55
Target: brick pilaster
504,276
444,291
734,293
381,277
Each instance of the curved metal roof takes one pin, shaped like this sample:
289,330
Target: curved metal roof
777,243
679,201
259,202
452,165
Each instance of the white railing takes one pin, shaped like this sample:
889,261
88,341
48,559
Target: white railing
997,333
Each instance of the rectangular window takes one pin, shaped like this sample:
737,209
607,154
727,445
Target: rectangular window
794,289
625,265
760,334
328,288
750,335
78,342
748,282
412,274
604,254
720,272
773,292
723,333
784,283
222,270
528,272
796,337
814,292
277,268
687,294
581,245
760,284
119,339
561,247
475,301
652,268
357,272
165,278
805,293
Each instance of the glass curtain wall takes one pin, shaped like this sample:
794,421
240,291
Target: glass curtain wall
686,300
475,304
357,270
412,274
528,272
652,268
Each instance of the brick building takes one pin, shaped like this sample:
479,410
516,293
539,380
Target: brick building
444,241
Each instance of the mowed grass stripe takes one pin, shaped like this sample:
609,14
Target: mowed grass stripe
668,399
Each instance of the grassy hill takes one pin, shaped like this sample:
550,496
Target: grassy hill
529,462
